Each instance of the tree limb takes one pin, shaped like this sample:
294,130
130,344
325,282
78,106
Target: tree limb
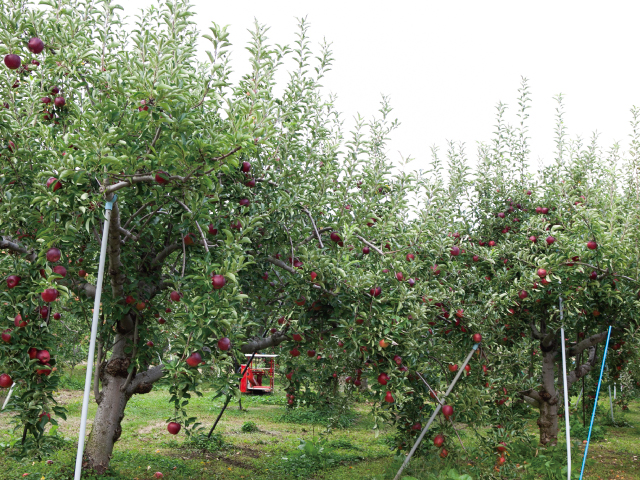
583,369
313,235
258,343
165,252
534,331
281,264
369,244
115,262
6,243
315,229
150,376
592,341
204,239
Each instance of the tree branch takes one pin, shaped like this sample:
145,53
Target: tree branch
6,243
150,376
313,235
258,343
165,252
369,244
592,341
281,264
115,263
204,239
534,331
315,229
583,369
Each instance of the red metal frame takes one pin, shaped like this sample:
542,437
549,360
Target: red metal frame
254,381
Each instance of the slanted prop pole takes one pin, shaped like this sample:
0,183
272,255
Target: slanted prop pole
595,403
94,333
435,412
6,400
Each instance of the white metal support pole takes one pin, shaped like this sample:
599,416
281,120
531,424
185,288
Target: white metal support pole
6,400
94,333
611,406
614,391
433,415
566,396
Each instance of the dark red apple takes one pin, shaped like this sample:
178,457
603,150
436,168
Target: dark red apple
399,276
455,250
175,296
251,183
173,428
57,316
311,353
593,275
492,243
60,270
212,230
365,250
592,245
550,240
453,367
224,344
447,411
542,273
56,184
32,352
245,167
150,344
359,321
375,291
43,356
388,397
281,321
6,335
5,381
12,61
162,177
477,338
162,321
313,276
410,257
194,359
217,281
35,45
438,440
49,295
129,300
244,202
13,281
19,322
53,255
140,306
411,282
383,378
294,352
523,294
59,102
44,312
335,237
297,337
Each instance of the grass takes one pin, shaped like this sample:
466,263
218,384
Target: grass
269,444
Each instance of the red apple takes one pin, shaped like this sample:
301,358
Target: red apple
492,243
6,335
383,343
168,310
44,312
453,367
13,281
188,241
550,240
375,291
410,257
444,453
313,276
311,353
56,185
44,371
365,250
542,272
335,237
467,368
476,258
5,381
19,322
173,428
388,397
129,300
244,202
294,352
455,251
397,359
217,281
150,344
593,275
140,306
59,102
175,296
12,61
158,475
82,273
212,230
281,321
43,356
35,45
411,282
438,440
477,338
592,245
502,447
162,177
53,255
162,321
301,301
399,276
194,359
383,378
49,295
251,183
297,337
533,238
447,411
32,353
245,167
224,344
60,270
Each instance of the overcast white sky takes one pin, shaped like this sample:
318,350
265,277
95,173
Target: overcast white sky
445,65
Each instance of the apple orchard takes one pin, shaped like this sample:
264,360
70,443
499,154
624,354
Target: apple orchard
249,221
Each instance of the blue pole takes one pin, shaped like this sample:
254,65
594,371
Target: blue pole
595,405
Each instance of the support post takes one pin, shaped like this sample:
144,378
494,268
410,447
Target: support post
595,403
433,415
94,333
6,400
611,406
566,399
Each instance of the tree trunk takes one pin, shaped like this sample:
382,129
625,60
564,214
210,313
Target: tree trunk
106,427
548,419
548,423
